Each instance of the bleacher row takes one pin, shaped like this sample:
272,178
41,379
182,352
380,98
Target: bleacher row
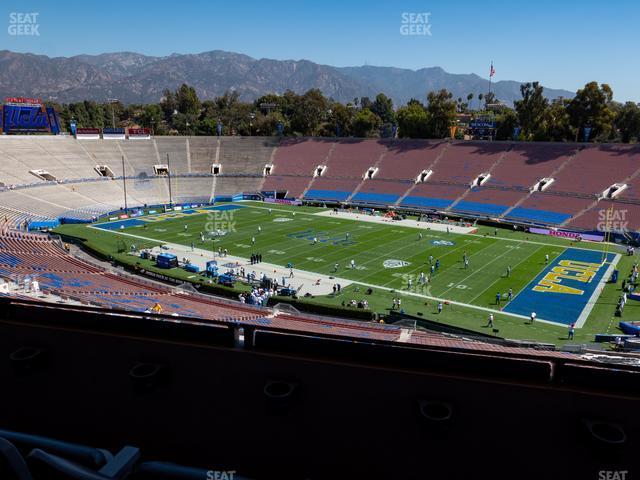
29,256
63,276
580,173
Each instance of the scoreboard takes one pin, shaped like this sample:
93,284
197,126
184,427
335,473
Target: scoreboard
27,115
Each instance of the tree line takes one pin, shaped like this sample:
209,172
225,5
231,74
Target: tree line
534,118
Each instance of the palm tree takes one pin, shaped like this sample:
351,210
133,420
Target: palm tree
469,98
480,97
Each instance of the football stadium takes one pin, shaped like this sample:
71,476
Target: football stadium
261,282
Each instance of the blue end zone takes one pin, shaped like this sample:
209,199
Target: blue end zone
427,202
542,216
223,207
476,207
383,198
136,222
327,195
131,222
560,306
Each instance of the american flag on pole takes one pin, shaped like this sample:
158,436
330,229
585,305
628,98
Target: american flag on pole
492,71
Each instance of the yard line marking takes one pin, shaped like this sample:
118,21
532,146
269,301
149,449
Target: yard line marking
355,282
499,278
482,235
442,256
536,275
596,293
477,271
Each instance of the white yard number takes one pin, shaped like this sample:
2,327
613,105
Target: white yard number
459,286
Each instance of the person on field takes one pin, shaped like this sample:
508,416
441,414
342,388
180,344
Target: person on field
572,331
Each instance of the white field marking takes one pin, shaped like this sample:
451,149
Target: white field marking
404,246
533,242
350,255
251,204
596,293
327,212
308,279
429,297
536,276
452,302
499,278
479,270
422,266
312,275
481,235
295,246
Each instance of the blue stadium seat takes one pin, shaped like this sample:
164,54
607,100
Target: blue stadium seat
540,216
52,467
426,202
327,195
87,456
476,207
12,465
378,198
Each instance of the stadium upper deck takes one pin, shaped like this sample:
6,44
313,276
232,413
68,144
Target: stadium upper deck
551,184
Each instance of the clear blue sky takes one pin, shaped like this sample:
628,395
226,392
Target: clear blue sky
561,43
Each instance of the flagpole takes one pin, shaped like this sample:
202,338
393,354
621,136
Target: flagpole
490,77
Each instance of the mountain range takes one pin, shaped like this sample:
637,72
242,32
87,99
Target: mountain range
136,78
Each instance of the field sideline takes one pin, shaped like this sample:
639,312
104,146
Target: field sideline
388,257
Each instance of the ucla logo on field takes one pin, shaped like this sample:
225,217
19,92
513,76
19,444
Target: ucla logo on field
567,270
442,243
393,263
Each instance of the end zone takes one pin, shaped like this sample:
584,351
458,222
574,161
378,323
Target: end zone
566,289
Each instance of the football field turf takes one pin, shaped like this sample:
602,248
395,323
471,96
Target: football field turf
389,257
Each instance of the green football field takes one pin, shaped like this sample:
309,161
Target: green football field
387,257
